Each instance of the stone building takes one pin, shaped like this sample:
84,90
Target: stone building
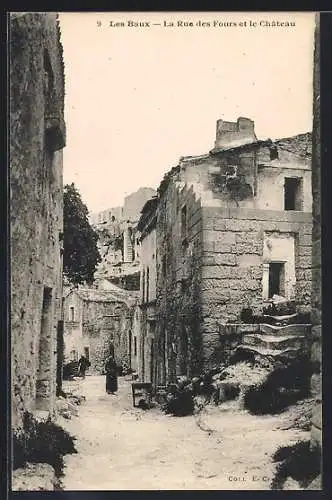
37,136
106,216
233,229
97,322
148,274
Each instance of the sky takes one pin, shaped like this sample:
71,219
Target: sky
139,98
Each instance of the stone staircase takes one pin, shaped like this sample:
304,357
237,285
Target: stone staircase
272,340
282,337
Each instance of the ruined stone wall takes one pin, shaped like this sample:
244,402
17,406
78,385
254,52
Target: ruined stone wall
232,272
148,267
106,324
134,202
73,331
271,174
36,138
178,284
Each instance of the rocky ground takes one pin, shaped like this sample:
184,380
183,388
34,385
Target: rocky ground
124,448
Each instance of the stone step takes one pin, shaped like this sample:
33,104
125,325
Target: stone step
274,342
263,351
294,329
283,320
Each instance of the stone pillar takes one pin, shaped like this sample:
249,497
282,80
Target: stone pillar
316,297
127,245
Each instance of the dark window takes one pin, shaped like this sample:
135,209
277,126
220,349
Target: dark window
274,155
276,279
71,313
87,353
135,346
73,355
143,285
184,223
147,283
293,194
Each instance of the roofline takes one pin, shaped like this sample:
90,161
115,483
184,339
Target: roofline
242,146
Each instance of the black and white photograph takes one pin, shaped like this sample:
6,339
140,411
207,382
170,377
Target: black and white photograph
165,251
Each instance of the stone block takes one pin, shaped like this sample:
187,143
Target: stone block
221,247
209,259
241,225
303,262
219,224
250,260
245,236
215,295
208,224
304,251
305,228
220,272
232,284
224,237
251,284
303,274
270,215
256,272
250,247
305,240
225,259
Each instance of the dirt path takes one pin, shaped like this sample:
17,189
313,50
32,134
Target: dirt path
122,448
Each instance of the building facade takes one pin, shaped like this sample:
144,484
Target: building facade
148,281
37,136
96,323
233,229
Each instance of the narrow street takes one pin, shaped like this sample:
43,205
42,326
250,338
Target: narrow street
124,448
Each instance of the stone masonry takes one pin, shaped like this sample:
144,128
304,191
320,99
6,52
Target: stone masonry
222,219
98,322
37,136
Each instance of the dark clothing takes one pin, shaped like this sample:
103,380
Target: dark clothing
83,365
111,375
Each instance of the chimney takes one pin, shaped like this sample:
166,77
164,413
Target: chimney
232,134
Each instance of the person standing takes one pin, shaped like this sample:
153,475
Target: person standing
111,375
83,365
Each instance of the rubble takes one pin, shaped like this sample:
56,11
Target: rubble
34,477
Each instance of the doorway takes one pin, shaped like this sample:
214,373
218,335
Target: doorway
276,278
130,347
43,383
